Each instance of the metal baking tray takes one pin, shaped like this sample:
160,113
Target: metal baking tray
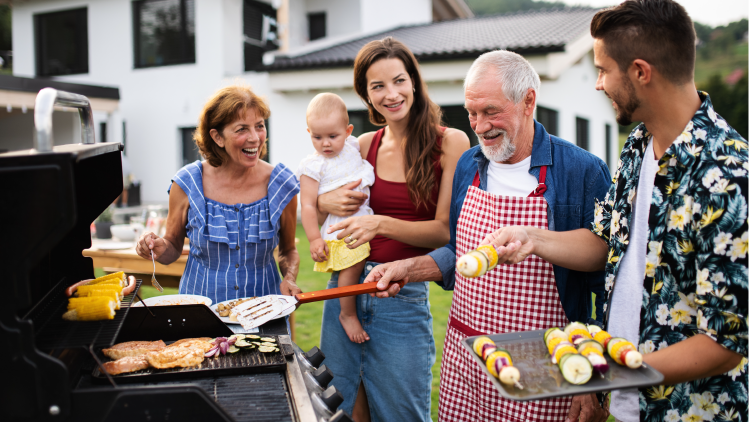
541,379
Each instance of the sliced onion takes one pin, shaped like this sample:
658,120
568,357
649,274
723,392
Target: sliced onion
212,352
224,346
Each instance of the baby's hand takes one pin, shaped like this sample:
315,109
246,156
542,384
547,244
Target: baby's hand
319,250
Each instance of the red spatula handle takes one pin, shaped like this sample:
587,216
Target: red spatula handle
337,292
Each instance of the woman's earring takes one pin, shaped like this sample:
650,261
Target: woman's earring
414,89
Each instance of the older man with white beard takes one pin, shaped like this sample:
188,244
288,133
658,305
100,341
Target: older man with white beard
518,174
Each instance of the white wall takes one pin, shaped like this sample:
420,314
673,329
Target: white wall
342,16
573,95
377,15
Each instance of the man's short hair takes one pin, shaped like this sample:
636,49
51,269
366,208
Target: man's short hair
325,104
657,31
511,70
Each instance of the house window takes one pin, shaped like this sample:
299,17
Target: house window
360,119
608,143
62,45
316,25
582,133
457,118
260,32
164,32
190,151
548,118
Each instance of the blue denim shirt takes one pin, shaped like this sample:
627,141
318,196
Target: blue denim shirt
576,179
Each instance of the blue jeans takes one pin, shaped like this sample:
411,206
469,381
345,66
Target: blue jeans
395,364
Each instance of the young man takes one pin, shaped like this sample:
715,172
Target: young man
672,231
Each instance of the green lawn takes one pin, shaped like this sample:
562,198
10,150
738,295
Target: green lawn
308,317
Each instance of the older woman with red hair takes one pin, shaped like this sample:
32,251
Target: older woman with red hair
234,207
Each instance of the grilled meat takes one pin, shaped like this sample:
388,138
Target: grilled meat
126,364
185,340
183,353
133,348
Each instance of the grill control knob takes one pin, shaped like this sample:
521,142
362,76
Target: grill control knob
323,376
341,416
315,356
332,398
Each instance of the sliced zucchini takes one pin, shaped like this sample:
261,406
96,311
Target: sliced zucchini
252,336
266,349
590,343
268,339
576,369
242,343
233,349
268,344
573,326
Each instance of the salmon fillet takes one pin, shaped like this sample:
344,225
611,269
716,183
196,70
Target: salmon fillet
126,364
133,348
183,353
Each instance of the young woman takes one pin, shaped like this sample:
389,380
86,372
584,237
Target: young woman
414,160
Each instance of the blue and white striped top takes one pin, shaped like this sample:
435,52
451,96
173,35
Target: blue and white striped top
231,246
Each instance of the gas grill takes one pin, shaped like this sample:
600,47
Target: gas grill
51,368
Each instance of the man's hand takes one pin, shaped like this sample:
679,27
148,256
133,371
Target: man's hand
585,408
386,273
513,244
319,250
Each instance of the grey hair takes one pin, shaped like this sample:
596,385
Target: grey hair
509,69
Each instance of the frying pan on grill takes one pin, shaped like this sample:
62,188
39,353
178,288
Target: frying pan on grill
258,311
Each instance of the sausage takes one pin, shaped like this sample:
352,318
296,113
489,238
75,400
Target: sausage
72,289
130,287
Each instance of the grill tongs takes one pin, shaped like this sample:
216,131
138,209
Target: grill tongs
258,311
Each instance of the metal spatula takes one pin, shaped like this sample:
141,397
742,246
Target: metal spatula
260,310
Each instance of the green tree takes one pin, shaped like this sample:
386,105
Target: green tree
494,7
730,102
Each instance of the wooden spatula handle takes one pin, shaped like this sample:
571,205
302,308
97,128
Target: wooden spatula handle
337,292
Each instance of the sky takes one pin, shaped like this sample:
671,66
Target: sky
707,12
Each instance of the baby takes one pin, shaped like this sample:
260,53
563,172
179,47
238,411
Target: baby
336,162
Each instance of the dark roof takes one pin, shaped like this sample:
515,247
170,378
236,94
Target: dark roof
16,83
538,31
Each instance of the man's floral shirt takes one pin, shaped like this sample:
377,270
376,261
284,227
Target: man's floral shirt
696,279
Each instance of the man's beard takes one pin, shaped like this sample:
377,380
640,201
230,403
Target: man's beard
625,109
500,152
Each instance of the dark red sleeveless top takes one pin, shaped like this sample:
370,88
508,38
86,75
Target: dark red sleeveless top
392,199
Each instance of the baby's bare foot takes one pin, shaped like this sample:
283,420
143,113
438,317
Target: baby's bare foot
353,328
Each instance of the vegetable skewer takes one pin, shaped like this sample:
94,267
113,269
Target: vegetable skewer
620,350
478,262
575,368
498,360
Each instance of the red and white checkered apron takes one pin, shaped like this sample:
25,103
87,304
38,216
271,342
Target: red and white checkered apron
509,298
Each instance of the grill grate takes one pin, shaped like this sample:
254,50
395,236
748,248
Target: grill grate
244,361
53,332
252,397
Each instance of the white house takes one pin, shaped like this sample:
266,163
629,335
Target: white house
168,56
556,42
